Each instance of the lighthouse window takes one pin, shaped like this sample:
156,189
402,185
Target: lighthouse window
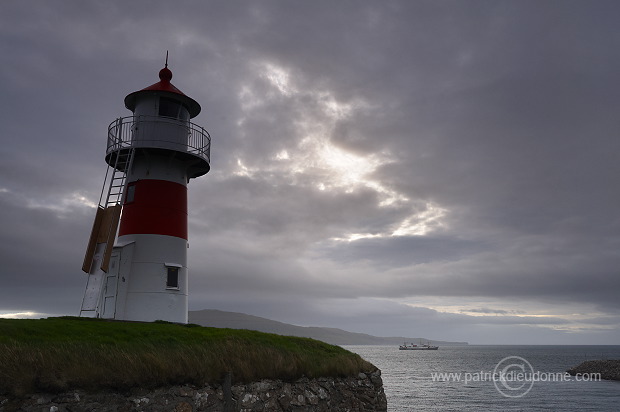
131,193
172,281
172,108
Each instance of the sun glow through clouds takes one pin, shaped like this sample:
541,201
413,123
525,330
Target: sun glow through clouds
421,223
278,77
329,166
347,169
282,155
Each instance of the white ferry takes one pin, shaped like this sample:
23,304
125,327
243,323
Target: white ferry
412,346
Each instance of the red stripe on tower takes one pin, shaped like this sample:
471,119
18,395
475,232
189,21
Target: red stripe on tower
156,207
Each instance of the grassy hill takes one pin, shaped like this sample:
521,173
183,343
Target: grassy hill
57,354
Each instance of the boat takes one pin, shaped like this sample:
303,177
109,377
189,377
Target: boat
413,346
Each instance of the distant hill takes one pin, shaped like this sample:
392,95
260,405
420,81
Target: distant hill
235,320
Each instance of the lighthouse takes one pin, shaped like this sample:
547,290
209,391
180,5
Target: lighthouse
141,274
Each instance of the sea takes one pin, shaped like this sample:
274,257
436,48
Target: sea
492,378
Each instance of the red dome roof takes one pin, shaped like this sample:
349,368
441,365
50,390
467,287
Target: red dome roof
165,75
164,85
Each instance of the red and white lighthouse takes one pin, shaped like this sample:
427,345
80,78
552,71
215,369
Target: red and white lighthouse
151,156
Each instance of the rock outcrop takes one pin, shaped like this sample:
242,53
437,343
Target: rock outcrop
608,369
361,393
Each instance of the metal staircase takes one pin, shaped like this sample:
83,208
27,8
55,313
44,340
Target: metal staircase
123,162
109,210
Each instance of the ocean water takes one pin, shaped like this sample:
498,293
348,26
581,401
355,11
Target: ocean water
492,378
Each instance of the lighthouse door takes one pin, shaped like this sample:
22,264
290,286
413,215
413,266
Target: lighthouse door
109,292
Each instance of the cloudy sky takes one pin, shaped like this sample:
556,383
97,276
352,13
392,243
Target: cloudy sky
446,169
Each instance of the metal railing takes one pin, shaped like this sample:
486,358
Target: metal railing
158,132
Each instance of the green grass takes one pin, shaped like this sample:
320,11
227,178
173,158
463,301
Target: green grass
58,354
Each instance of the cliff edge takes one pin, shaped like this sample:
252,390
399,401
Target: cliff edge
354,394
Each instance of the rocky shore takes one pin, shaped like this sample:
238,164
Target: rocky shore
609,369
361,393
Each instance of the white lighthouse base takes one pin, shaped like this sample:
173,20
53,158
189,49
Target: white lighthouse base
146,281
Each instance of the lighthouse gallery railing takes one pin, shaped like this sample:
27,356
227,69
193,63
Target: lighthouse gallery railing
159,132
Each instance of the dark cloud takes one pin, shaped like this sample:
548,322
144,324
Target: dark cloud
461,157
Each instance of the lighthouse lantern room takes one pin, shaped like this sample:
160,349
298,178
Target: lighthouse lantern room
141,275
